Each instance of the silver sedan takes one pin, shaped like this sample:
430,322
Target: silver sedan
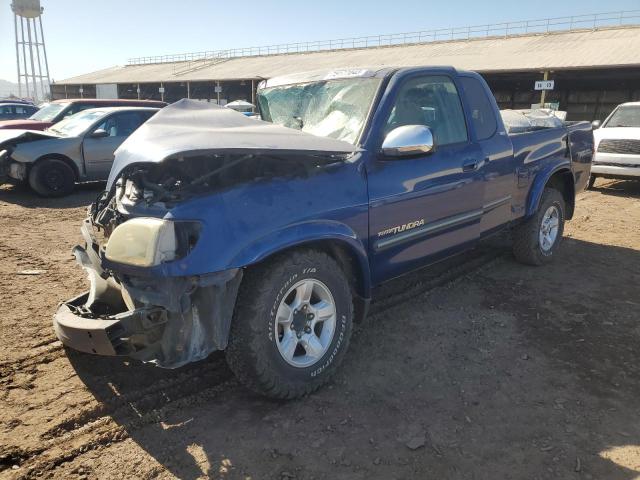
79,148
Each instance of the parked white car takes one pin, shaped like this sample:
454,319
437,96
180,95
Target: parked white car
617,144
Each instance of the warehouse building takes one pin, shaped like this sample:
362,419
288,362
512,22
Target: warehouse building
593,60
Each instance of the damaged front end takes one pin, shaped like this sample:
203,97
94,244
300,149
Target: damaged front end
12,168
161,290
134,307
139,304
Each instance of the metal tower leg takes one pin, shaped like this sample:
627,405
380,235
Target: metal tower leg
33,68
46,62
24,57
15,28
38,44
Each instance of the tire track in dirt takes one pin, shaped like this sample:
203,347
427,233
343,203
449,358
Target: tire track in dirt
115,419
21,257
104,432
109,420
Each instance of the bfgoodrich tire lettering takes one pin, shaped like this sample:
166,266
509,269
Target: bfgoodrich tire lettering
254,352
527,246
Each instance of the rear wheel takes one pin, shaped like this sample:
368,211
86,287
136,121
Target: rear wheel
536,240
52,177
292,324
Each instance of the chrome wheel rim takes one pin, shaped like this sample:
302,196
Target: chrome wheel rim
549,228
305,323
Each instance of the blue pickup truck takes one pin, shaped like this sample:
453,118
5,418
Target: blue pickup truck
265,237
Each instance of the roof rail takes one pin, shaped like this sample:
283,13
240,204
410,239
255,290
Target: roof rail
506,29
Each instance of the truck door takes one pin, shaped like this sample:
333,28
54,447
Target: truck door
426,206
102,141
499,170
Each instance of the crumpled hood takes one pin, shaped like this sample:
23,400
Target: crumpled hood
21,136
190,126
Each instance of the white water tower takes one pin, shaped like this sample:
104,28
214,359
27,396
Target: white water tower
31,55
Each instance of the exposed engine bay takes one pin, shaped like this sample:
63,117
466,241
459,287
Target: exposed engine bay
153,189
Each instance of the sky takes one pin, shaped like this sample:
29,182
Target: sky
84,36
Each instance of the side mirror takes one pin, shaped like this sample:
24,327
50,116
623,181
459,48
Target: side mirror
595,124
99,133
408,140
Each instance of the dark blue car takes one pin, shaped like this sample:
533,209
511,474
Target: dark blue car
16,110
264,238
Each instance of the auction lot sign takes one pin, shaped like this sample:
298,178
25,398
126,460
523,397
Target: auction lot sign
544,85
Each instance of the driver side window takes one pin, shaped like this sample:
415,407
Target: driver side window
121,124
432,101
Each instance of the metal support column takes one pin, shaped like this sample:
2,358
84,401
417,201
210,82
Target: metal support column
544,92
24,57
253,94
46,61
33,68
38,44
15,27
188,90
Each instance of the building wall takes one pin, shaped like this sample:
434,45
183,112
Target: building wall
584,94
173,91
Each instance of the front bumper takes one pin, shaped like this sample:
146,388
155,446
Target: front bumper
10,169
4,165
169,321
616,165
77,327
615,170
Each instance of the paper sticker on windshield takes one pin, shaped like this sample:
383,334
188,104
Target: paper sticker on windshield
347,73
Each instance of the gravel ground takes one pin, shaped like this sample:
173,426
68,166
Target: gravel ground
477,368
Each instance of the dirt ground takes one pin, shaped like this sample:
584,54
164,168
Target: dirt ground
477,368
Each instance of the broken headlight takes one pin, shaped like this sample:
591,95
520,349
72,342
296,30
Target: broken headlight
147,242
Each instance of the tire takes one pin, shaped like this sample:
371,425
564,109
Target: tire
592,181
260,330
52,177
527,246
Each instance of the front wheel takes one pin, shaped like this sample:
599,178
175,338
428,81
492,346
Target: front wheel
291,325
536,240
52,177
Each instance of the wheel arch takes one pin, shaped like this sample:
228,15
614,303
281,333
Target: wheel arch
560,179
338,241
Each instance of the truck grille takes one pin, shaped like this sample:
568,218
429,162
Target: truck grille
619,146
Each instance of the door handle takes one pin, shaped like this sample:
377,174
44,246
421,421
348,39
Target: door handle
470,165
473,164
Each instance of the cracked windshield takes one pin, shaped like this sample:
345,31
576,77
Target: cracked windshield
336,108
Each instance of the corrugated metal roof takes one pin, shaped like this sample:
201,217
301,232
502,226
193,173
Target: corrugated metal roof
607,47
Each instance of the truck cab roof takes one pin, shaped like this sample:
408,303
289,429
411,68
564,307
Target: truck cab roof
349,72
